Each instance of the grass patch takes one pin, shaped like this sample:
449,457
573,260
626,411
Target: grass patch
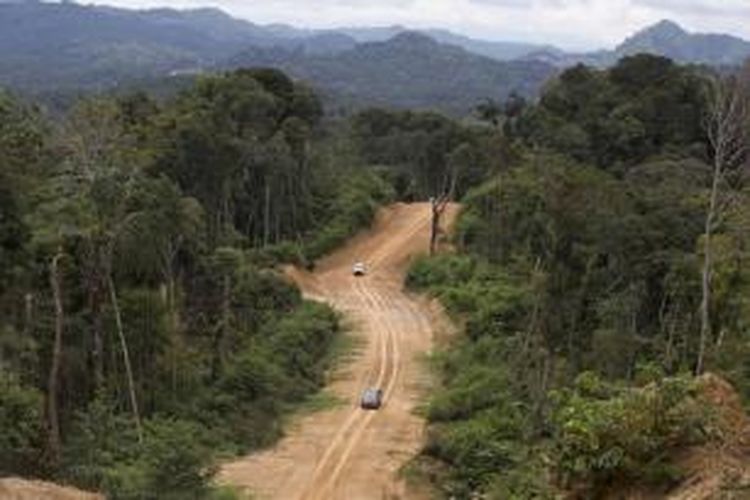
224,492
322,401
345,347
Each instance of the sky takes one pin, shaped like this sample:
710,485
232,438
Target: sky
570,24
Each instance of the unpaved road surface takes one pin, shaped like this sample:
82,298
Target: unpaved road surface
22,489
347,453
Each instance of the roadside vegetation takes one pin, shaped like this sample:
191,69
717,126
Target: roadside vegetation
143,330
580,280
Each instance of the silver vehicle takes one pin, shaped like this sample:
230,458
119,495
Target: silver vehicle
372,399
359,269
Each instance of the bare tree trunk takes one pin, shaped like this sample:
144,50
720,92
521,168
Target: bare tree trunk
174,327
438,205
28,314
126,356
435,226
267,216
223,328
706,270
95,305
53,418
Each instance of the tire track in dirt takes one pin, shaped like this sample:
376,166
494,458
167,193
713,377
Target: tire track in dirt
322,482
347,453
392,360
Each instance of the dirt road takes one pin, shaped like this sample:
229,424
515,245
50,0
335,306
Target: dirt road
345,452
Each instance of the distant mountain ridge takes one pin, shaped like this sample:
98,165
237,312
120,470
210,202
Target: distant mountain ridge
665,38
410,70
65,46
669,39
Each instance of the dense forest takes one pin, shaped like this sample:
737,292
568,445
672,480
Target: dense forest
599,265
144,332
598,270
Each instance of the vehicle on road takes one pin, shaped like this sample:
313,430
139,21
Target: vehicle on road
359,269
372,399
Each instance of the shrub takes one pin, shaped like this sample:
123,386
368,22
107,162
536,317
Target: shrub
20,422
357,199
491,301
104,454
606,434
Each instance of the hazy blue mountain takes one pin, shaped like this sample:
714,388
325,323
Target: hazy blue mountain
665,38
374,33
410,70
67,45
502,51
671,40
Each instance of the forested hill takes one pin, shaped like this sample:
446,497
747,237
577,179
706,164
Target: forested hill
67,47
664,38
410,70
58,45
671,40
57,49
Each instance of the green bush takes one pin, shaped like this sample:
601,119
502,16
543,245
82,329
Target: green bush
300,342
175,460
490,301
104,454
477,449
352,208
20,426
478,420
274,370
604,433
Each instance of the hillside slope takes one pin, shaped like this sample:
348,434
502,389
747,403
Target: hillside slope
408,71
58,45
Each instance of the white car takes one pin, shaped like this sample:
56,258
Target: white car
359,269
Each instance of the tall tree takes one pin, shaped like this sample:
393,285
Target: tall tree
729,139
99,171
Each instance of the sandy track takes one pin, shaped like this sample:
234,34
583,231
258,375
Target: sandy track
348,453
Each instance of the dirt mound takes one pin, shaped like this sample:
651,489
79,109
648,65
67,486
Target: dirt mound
721,468
21,489
722,396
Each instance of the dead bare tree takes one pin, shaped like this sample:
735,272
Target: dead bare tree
51,406
125,356
726,125
440,203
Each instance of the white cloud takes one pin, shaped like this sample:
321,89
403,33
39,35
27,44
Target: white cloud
577,24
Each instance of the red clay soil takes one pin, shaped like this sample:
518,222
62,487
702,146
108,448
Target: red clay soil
20,489
721,469
347,453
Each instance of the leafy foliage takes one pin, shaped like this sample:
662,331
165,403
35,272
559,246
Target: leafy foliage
606,433
578,265
20,418
137,230
642,106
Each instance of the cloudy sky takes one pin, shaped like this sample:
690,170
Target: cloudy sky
573,24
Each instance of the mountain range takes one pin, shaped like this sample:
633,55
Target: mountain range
410,70
65,46
665,38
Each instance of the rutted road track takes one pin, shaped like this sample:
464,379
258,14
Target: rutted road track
347,453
